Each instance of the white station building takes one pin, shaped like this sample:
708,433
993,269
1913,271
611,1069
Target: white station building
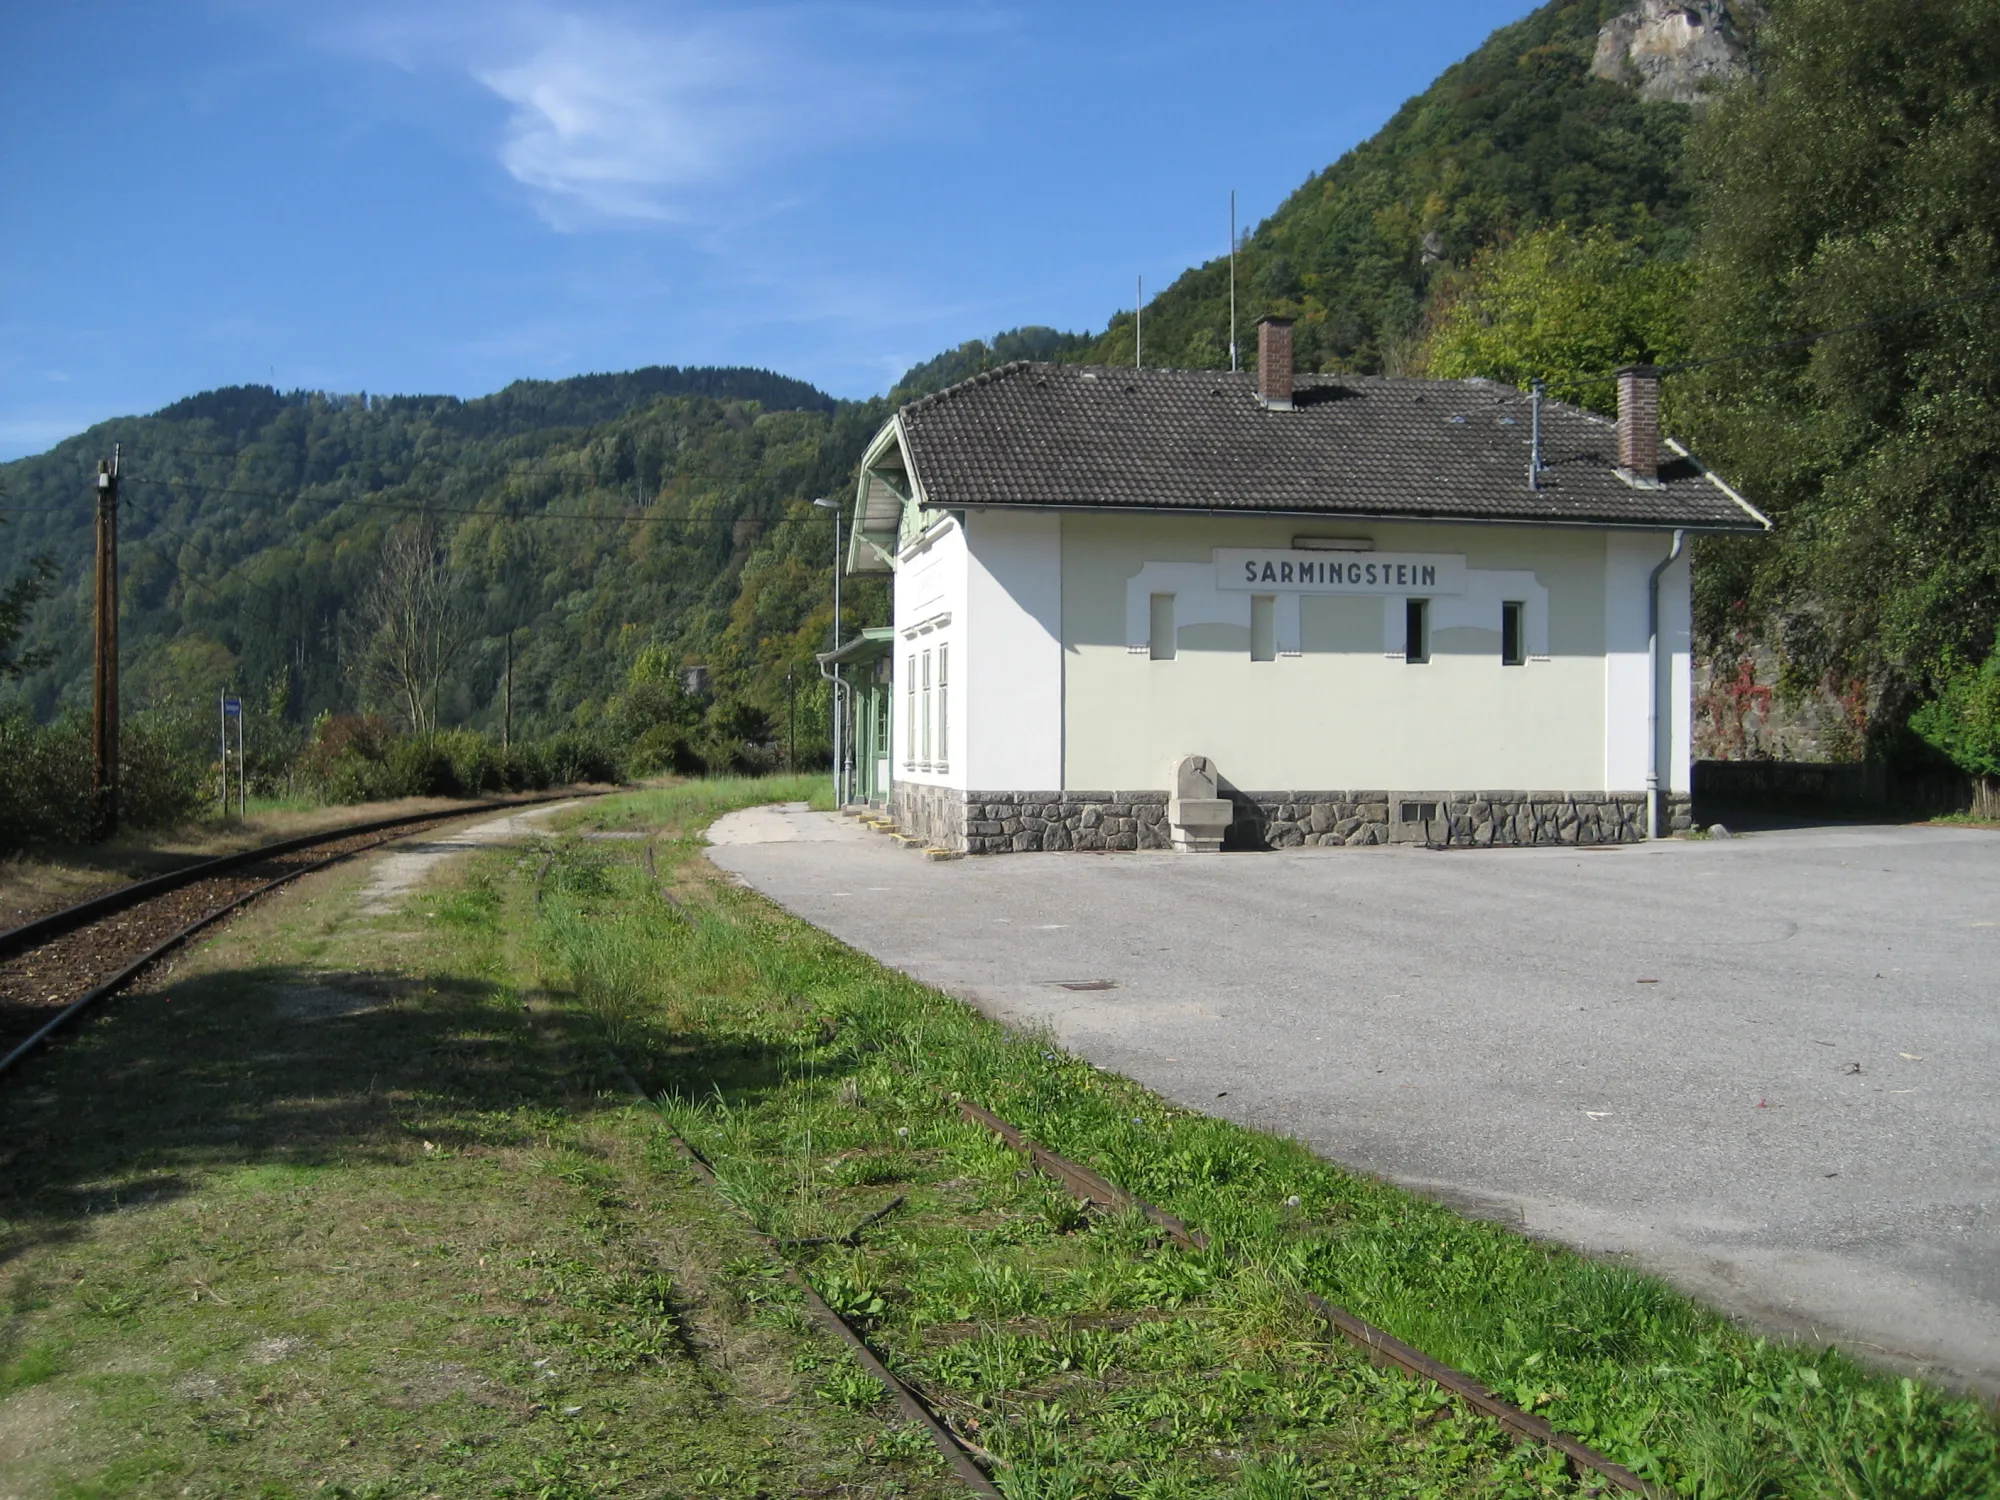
1338,609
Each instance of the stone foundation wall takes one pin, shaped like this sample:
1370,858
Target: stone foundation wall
1018,822
935,814
1022,822
1282,820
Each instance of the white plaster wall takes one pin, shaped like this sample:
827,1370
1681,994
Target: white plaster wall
1629,559
930,590
1012,699
1325,719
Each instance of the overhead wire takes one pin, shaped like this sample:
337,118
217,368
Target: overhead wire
425,508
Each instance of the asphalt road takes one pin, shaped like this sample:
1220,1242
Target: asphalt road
1767,1068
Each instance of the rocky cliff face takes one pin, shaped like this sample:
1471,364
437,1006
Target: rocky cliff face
1677,50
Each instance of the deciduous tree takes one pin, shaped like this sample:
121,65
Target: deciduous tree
1852,189
1566,308
413,626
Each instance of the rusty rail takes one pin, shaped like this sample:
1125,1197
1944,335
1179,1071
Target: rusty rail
912,1405
1383,1348
30,934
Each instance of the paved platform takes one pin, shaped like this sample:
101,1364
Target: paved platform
1767,1068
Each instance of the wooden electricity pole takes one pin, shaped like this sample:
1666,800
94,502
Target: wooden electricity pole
507,713
104,768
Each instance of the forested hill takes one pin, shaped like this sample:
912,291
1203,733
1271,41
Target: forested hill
253,516
1519,135
592,516
1535,211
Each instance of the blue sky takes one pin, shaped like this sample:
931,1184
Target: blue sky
444,197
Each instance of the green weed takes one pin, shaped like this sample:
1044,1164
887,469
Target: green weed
809,1062
32,1366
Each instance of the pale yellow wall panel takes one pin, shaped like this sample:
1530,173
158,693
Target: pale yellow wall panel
1332,718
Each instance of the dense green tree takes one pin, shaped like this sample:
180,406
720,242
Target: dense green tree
1517,136
1963,721
975,355
256,523
17,602
1565,308
1853,189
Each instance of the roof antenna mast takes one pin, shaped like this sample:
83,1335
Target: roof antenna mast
1138,332
1232,281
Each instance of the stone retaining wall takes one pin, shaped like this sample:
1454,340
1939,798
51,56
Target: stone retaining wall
1021,822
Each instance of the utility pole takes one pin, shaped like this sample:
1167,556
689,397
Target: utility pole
104,705
791,725
507,714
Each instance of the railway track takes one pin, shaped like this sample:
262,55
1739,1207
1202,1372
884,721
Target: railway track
1383,1348
55,968
965,1459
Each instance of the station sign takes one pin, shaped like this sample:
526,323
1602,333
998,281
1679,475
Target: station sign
1286,570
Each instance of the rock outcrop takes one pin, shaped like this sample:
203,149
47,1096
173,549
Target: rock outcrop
1679,50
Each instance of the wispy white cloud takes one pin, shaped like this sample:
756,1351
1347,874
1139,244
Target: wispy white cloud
622,122
664,114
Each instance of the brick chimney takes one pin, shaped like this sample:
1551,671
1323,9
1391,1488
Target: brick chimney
1274,362
1639,423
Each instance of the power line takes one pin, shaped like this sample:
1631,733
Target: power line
420,507
511,466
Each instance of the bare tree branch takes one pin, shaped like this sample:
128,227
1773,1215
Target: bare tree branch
412,626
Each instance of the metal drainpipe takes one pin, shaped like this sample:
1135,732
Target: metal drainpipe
1653,676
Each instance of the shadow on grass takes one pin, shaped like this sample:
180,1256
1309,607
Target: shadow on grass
295,1069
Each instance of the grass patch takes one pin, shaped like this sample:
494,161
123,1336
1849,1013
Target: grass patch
365,1215
1095,1360
373,1214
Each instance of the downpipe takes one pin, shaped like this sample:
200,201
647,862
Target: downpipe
840,688
1654,674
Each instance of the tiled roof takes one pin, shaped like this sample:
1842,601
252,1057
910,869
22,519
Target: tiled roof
1065,435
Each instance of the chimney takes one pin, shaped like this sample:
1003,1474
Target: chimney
1274,362
1639,423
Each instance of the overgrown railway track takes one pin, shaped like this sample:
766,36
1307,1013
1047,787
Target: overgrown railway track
55,968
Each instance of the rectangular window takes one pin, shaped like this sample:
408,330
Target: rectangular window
927,710
1162,635
1263,627
910,714
1416,630
1512,653
944,705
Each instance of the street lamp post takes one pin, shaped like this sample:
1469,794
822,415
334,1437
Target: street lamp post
839,715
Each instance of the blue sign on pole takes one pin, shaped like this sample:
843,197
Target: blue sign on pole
232,708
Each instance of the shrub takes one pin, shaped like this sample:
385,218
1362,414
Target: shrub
344,759
45,795
166,769
577,756
474,762
419,767
1964,720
